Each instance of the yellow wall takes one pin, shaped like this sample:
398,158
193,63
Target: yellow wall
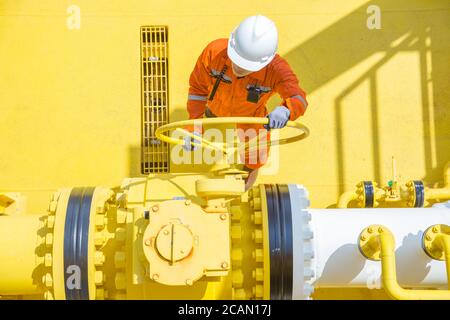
70,99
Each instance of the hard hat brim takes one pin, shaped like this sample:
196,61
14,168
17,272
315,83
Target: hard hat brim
244,63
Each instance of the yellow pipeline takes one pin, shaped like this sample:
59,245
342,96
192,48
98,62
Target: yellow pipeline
382,242
398,195
443,241
20,249
437,193
436,243
440,193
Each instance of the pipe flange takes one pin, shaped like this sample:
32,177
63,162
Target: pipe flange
368,242
247,241
259,276
46,255
366,194
429,236
416,190
304,262
103,200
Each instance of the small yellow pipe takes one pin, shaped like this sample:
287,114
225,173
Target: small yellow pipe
389,277
440,193
346,198
443,242
437,193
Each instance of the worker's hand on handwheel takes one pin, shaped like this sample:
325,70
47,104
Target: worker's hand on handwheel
188,146
278,118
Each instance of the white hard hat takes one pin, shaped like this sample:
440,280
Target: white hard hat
253,44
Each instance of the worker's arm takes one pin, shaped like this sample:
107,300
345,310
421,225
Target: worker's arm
287,86
198,86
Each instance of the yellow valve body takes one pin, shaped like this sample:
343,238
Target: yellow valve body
143,242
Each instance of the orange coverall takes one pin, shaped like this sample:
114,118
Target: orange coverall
231,97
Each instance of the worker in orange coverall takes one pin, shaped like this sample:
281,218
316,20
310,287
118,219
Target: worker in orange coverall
235,77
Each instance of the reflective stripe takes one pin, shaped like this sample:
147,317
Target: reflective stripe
302,100
196,97
260,88
216,73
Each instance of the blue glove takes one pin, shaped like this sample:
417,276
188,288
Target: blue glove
188,146
278,118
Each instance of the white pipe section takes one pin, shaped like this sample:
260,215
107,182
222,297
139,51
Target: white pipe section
337,261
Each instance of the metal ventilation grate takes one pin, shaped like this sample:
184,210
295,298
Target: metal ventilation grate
154,95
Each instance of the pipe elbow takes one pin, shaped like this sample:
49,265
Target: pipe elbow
393,289
346,198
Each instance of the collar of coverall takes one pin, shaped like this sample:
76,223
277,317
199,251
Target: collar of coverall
258,75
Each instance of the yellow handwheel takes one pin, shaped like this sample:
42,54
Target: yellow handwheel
204,143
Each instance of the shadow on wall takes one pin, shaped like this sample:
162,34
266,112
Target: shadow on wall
411,262
346,257
134,160
418,26
405,28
